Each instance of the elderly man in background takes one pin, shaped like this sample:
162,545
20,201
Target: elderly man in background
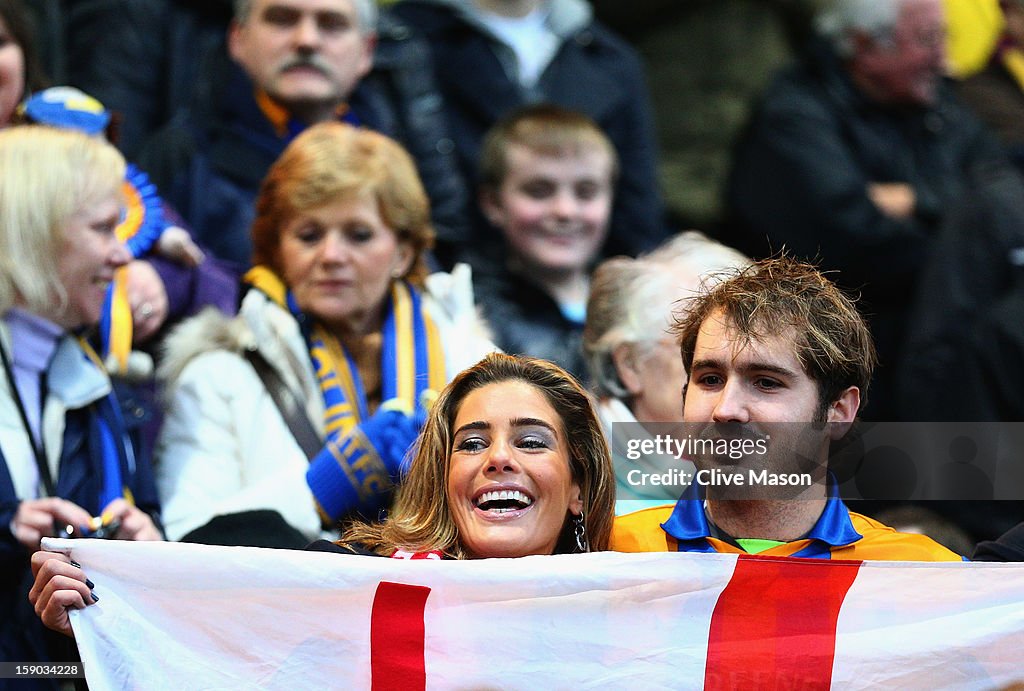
856,153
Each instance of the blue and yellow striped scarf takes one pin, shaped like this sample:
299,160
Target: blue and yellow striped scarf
412,359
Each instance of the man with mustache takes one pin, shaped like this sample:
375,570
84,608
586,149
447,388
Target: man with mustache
775,353
294,63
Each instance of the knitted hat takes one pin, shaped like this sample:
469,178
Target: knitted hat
67,107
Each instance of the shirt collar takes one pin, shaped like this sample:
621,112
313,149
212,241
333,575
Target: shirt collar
74,378
283,122
275,113
33,339
833,527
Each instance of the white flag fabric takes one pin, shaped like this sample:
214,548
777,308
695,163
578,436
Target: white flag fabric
180,616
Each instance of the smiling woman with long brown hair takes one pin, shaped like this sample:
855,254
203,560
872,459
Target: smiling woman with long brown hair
512,461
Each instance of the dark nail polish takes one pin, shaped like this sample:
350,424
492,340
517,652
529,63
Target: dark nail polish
89,584
76,564
95,597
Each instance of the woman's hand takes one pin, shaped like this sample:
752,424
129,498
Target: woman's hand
147,298
176,244
35,519
135,523
59,586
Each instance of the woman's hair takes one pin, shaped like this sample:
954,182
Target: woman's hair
421,520
332,162
633,300
46,176
19,24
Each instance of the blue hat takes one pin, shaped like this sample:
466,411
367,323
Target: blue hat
67,107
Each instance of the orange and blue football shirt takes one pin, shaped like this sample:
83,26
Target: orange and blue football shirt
838,534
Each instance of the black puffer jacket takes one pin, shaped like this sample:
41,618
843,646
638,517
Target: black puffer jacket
142,58
800,178
964,354
1009,547
525,320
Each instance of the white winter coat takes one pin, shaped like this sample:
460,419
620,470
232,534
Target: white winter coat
224,447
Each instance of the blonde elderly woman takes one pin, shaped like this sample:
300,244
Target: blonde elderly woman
299,411
67,465
633,360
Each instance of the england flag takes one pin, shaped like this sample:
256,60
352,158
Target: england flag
180,616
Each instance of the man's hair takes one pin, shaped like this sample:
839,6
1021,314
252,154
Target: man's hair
631,300
47,175
333,161
366,11
844,18
21,28
544,129
421,519
782,296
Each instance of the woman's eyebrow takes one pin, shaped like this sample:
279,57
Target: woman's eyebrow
476,424
515,422
531,422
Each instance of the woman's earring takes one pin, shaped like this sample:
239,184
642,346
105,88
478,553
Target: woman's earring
580,531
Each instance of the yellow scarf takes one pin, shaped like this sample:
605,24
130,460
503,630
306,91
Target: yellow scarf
412,359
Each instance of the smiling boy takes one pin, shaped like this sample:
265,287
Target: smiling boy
547,180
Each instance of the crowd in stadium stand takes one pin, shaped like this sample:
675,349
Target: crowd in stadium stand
252,254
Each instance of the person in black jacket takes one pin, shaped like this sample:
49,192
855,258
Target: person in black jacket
854,156
142,58
1009,547
548,176
968,311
